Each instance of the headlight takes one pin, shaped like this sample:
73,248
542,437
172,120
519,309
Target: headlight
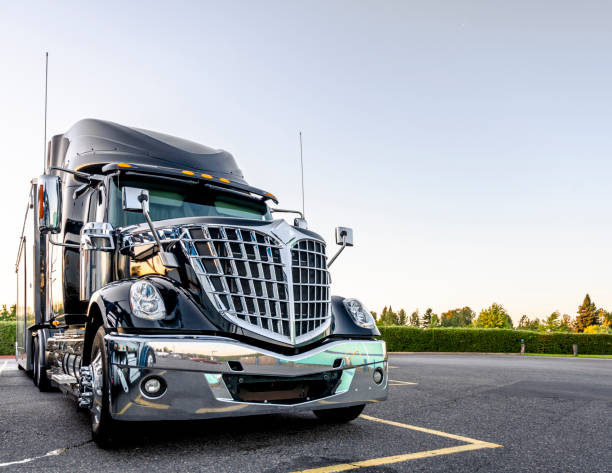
359,313
146,302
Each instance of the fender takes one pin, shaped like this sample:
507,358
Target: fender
110,307
344,325
183,312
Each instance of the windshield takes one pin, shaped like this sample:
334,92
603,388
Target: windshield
178,200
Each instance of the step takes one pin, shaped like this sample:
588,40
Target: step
63,379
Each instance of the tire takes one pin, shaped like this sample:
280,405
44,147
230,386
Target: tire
103,426
340,415
39,375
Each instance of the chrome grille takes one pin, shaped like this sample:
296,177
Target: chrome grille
243,271
244,274
310,286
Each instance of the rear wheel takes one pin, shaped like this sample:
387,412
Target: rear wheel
40,373
340,415
103,426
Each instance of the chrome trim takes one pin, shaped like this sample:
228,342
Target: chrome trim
51,189
63,353
311,292
193,369
243,273
211,354
95,259
218,386
100,231
63,379
97,388
85,398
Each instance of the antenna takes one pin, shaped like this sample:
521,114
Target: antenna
302,170
46,82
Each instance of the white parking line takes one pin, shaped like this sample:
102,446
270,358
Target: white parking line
3,366
52,453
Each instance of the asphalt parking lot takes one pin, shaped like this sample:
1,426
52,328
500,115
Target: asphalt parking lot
450,413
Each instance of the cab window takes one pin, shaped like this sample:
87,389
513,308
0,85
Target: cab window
178,200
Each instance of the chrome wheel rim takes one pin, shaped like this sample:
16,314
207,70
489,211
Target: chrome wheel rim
97,383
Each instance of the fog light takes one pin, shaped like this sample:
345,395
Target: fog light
153,387
378,375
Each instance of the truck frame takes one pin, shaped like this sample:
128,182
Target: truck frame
153,283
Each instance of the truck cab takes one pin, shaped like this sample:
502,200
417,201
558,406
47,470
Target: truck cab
158,284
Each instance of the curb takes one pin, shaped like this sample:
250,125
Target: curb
2,357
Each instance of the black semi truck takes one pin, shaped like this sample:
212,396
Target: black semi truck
154,283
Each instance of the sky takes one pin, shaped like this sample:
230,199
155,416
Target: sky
468,143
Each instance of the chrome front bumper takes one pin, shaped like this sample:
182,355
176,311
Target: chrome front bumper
192,368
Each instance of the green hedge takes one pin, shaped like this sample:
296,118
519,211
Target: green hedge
492,340
449,339
7,338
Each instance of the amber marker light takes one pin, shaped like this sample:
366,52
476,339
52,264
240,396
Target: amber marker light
41,202
222,179
124,165
189,173
270,195
207,176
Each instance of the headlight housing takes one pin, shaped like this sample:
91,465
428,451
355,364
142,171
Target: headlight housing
359,313
146,301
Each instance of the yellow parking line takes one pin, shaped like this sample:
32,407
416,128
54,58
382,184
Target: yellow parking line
472,444
395,382
155,405
394,459
125,408
206,410
430,431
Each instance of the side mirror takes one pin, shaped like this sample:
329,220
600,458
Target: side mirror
132,197
49,204
300,223
344,236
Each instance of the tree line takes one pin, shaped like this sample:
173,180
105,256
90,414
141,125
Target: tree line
8,314
589,319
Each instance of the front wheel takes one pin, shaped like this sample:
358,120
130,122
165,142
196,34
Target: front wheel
340,415
103,426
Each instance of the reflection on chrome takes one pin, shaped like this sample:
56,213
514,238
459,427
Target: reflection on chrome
201,381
